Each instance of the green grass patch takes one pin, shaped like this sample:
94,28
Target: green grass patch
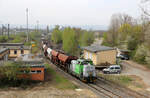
58,80
124,80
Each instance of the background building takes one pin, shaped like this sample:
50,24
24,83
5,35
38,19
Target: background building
16,49
100,55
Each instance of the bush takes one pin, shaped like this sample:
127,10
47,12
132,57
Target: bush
9,76
10,70
140,55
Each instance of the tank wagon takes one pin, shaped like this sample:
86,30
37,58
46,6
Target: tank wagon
80,68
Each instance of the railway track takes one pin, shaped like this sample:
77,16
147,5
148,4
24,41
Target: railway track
102,87
81,84
119,89
106,92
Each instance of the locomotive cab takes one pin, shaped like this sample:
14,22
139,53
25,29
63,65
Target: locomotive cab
89,73
83,69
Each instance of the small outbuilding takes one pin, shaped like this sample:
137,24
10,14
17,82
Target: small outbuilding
100,55
35,64
4,54
16,49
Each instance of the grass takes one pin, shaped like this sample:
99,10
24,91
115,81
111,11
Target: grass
119,79
125,80
58,80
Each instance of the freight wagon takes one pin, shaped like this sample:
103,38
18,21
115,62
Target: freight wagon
80,68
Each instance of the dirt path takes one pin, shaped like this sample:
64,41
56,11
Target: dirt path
132,68
98,42
46,92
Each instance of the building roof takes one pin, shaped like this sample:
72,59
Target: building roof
30,59
3,50
14,46
17,47
11,44
34,66
97,48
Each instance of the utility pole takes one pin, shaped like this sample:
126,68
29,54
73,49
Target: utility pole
27,25
8,30
2,29
37,25
47,29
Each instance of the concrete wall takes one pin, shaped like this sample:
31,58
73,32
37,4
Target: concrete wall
33,76
90,55
12,55
26,51
4,55
107,56
101,57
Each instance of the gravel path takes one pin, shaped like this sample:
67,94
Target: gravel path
132,68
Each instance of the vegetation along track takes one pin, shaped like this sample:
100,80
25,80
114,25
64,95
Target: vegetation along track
122,91
102,87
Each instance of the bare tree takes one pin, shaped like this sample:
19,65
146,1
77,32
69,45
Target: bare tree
117,20
145,7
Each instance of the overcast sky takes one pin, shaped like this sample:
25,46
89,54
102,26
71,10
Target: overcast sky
70,12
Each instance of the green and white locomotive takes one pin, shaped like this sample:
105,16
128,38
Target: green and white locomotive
83,69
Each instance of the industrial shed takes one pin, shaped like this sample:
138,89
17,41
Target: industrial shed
100,55
16,49
4,54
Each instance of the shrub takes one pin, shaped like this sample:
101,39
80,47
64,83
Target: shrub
140,55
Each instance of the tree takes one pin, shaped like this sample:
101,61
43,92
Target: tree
124,31
117,21
70,44
56,36
145,7
86,38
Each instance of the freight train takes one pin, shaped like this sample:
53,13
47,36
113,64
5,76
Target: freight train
80,68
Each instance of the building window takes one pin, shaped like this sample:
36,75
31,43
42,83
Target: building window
33,71
39,71
22,51
15,51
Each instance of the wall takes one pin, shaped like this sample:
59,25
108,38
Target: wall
101,57
33,76
3,54
38,76
12,55
26,51
90,55
107,56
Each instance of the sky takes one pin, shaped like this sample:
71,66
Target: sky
65,12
